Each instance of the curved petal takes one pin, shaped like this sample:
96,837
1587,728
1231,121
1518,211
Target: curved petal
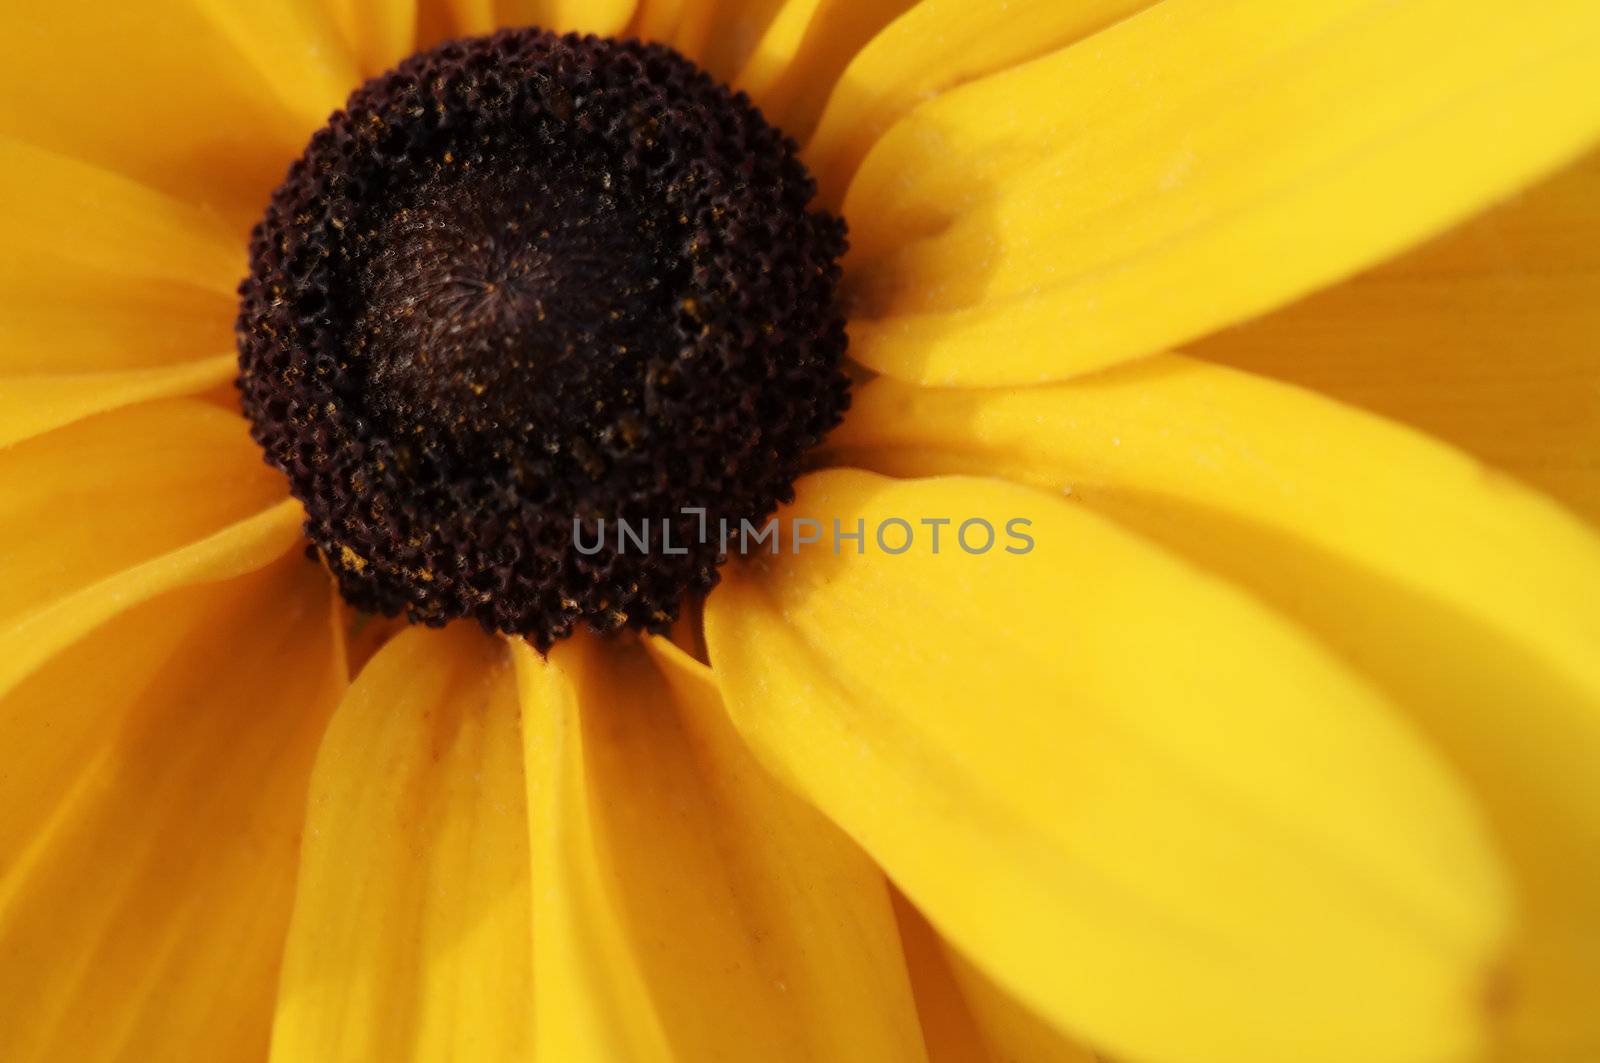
805,48
364,634
1470,600
379,33
150,814
1150,809
110,293
1194,166
721,35
35,404
65,220
69,320
205,99
593,1002
1488,338
111,511
1182,439
34,635
688,908
936,46
965,1018
100,496
605,17
657,20
463,17
410,936
294,45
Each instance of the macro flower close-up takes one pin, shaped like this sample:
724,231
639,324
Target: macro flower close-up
965,531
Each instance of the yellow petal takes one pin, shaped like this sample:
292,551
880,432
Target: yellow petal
32,636
365,634
410,937
805,48
605,17
1488,338
948,1027
687,908
965,1018
183,94
1196,165
85,321
296,47
30,405
1145,806
935,46
93,499
150,814
468,17
110,511
1011,1031
438,20
721,35
65,220
657,20
1469,599
1185,439
775,51
379,33
592,1001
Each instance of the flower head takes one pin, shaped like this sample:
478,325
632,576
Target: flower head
1137,602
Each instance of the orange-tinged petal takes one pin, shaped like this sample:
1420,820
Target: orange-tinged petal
935,46
410,936
777,47
438,20
111,292
1467,598
686,907
805,48
58,718
1010,1030
379,33
33,635
1193,166
1152,810
605,17
66,220
103,273
30,405
296,47
84,321
721,35
966,1019
657,20
183,94
150,815
949,1029
365,634
102,515
1487,338
95,498
468,17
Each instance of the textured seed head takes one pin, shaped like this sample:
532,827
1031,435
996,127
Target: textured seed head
524,281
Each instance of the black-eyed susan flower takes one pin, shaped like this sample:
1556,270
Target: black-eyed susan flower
1045,530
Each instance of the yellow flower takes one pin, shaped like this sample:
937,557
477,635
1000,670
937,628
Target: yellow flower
1279,323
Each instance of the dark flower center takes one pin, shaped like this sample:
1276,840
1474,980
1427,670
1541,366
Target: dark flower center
524,284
